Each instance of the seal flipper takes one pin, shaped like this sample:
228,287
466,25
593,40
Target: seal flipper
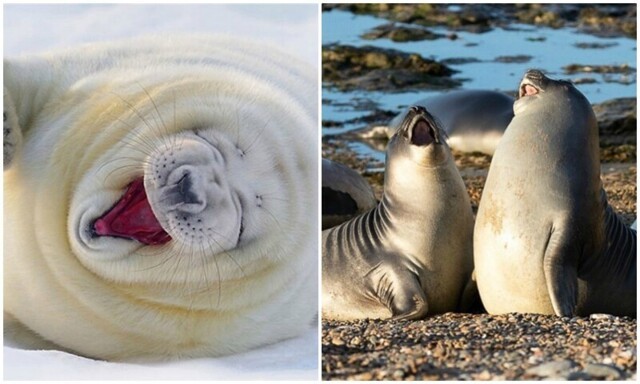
560,265
399,290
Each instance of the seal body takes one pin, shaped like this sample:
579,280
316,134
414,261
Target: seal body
162,201
412,254
545,239
474,120
345,194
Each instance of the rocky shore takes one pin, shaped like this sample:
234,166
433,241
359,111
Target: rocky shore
456,346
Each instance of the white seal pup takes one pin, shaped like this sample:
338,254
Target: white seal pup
412,254
546,240
162,199
345,194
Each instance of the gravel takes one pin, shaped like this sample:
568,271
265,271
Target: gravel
481,347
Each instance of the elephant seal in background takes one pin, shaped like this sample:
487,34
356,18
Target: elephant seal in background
474,120
345,194
160,198
545,239
412,254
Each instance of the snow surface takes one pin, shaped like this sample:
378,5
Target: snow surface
36,28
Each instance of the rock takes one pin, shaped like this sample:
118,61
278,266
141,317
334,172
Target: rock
607,20
576,68
617,117
367,376
602,371
558,368
400,34
398,374
601,316
513,59
484,375
370,68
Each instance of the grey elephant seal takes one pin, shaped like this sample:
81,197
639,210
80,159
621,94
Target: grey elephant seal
545,239
160,198
412,254
345,194
473,120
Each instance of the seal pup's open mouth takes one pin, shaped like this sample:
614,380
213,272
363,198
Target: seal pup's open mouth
132,218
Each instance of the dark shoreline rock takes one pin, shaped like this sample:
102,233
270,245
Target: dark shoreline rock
606,20
370,68
401,34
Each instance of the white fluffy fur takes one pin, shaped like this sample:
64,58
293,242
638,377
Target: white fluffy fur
91,119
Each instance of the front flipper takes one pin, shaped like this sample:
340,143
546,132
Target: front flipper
560,265
399,290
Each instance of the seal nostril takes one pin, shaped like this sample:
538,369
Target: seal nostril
186,191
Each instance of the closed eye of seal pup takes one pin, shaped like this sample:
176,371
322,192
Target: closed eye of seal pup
412,254
159,198
546,240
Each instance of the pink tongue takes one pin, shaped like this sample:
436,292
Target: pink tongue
132,218
530,90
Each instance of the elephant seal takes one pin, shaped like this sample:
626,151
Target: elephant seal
545,239
473,120
412,254
163,200
345,194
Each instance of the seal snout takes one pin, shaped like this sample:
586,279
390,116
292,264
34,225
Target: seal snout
185,190
532,82
534,74
190,190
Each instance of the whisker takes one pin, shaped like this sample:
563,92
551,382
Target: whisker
273,217
255,139
166,130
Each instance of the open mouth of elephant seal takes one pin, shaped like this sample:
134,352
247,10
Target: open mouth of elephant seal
420,127
421,138
534,82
